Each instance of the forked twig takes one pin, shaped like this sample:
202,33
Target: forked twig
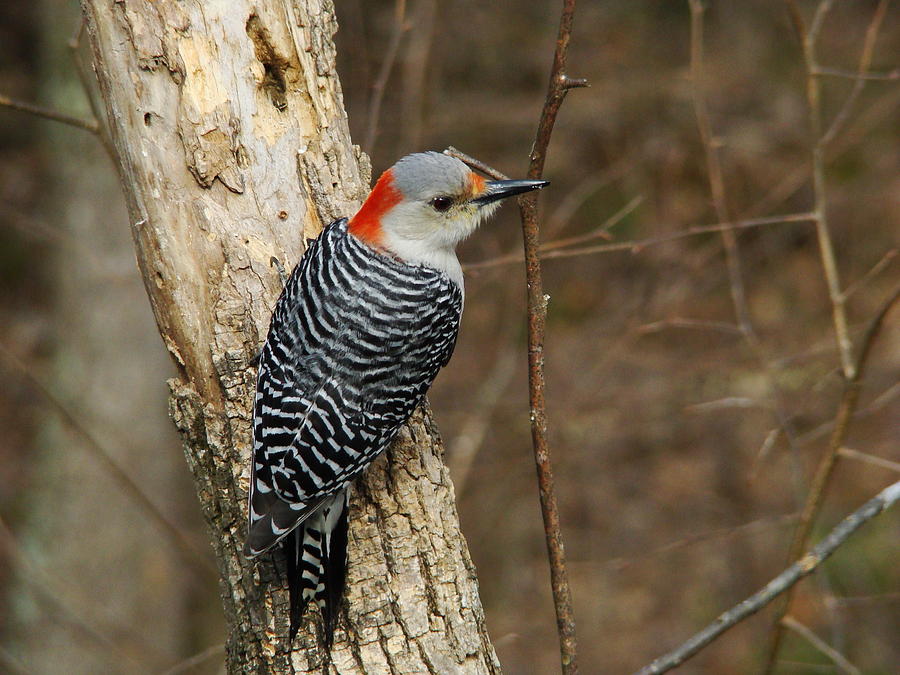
806,565
843,418
549,251
808,40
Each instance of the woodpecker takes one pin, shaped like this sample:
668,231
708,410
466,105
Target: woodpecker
362,327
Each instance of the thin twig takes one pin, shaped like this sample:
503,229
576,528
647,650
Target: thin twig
874,271
853,75
576,197
46,113
822,478
733,261
839,659
714,171
476,164
727,403
85,76
850,453
681,322
865,60
380,85
638,245
865,599
876,405
601,231
116,472
826,245
806,565
195,660
559,85
788,185
462,450
620,563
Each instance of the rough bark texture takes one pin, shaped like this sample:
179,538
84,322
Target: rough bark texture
233,146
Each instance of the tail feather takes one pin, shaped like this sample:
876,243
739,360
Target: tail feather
317,564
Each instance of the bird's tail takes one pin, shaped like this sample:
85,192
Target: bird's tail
317,563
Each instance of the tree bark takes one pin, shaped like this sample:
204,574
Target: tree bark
233,145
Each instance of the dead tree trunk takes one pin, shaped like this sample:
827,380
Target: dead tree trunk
233,145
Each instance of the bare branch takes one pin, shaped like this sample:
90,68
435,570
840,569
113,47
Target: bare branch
729,235
559,85
850,453
196,660
476,164
85,76
694,324
874,271
826,246
46,113
759,525
638,245
865,60
599,232
822,478
820,644
852,75
803,567
714,170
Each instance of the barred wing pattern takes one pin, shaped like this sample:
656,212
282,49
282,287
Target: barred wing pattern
355,342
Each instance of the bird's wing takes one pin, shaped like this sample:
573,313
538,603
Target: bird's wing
283,399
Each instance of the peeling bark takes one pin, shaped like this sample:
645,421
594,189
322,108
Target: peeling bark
233,147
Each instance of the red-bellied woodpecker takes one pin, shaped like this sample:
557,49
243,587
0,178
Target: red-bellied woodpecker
362,327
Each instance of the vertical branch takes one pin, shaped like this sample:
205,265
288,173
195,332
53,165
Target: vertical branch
714,169
728,231
851,369
826,247
560,83
846,410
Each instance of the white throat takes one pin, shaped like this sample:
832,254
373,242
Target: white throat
422,252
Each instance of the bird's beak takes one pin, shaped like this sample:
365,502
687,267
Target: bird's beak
501,189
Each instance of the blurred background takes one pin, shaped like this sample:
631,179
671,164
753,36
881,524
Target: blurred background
683,440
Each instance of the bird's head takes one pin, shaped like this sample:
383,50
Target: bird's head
427,203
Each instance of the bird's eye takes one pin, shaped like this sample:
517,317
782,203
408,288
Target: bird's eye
441,204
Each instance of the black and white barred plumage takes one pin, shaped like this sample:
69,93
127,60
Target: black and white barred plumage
356,339
364,324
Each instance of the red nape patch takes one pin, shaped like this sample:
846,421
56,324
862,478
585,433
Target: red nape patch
366,224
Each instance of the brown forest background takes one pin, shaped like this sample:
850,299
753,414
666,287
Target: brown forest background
677,496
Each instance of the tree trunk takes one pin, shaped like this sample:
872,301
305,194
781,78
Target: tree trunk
233,146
